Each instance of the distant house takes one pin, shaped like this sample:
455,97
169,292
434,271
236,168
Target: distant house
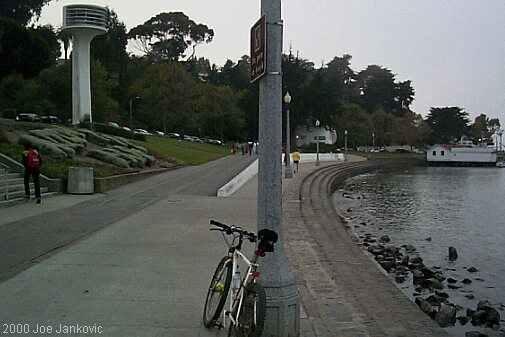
461,155
305,135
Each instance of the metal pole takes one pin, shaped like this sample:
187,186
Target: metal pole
317,143
288,173
283,307
345,146
131,114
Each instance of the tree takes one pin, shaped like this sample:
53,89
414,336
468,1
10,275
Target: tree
104,106
166,36
49,34
22,11
110,50
218,113
447,124
356,121
379,90
167,97
410,129
23,50
55,85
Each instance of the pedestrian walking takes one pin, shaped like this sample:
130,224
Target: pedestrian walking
31,161
296,159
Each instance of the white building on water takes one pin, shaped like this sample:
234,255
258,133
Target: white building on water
461,155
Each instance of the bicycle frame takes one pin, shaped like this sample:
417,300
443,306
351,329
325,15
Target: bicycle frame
247,299
235,301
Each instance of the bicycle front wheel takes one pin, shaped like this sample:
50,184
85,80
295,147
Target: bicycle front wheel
218,292
252,314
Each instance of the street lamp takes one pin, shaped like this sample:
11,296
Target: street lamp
345,145
288,172
131,103
317,142
373,142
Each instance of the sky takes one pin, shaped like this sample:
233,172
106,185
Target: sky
453,51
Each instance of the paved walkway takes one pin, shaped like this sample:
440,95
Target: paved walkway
146,273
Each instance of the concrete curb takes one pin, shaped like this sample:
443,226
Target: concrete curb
243,177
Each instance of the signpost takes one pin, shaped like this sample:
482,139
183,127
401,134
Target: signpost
283,306
258,48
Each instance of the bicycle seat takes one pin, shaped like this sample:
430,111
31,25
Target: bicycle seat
267,238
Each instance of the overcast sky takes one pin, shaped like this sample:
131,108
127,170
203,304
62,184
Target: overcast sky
453,51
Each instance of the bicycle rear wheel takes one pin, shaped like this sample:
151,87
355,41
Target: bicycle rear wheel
252,314
218,292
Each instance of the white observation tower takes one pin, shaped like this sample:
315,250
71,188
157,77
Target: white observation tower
83,22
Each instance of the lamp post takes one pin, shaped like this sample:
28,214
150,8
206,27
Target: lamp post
373,142
288,172
317,142
345,146
131,103
283,305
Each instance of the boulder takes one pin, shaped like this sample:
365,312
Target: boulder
453,254
446,316
426,307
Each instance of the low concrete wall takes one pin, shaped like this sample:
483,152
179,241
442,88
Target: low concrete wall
237,182
107,183
311,157
252,170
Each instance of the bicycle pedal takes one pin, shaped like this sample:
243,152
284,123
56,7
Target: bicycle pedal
218,325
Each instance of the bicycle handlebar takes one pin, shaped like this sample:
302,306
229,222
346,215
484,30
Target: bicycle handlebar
232,229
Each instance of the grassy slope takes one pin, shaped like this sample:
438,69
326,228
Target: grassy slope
168,152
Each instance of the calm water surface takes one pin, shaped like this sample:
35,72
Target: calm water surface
433,208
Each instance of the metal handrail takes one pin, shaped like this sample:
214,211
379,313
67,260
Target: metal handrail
6,187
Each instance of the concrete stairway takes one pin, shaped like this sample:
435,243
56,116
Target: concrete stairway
15,188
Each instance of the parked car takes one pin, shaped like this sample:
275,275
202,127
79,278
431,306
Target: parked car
173,135
142,131
114,125
126,128
50,119
193,139
159,133
214,141
27,117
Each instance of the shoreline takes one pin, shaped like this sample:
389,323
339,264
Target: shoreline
341,289
431,292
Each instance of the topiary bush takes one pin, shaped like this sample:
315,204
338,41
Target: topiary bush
94,137
45,147
132,160
108,157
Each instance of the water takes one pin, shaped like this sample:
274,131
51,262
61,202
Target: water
433,208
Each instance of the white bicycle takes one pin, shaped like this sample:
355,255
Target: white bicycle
247,305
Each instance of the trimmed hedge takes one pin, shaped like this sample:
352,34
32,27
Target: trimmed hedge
93,137
45,147
60,143
108,158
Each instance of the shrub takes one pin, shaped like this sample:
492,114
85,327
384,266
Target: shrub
138,148
45,147
140,137
108,158
132,160
93,137
116,140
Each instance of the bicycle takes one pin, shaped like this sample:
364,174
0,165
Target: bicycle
247,305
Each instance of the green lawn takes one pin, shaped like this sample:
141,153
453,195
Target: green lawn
175,151
191,153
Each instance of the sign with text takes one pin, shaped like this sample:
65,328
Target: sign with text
258,49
